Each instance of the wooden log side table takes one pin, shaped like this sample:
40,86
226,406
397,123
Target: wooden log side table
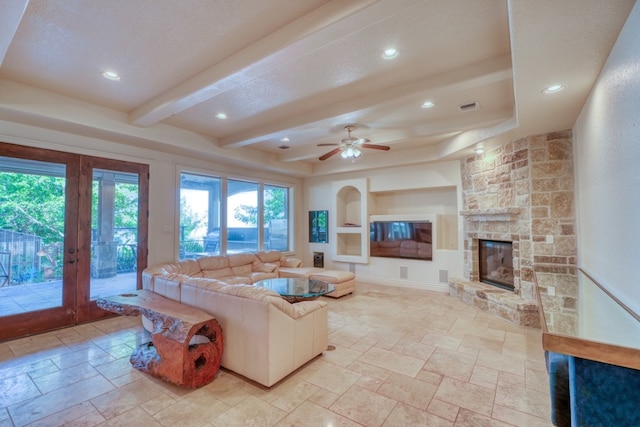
169,356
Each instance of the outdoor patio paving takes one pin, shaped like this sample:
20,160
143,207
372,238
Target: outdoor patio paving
24,298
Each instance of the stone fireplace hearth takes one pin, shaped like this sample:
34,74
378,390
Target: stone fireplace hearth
521,192
500,224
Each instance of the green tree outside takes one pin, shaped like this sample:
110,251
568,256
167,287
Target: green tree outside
33,204
275,207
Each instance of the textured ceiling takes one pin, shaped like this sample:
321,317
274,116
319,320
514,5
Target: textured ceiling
302,70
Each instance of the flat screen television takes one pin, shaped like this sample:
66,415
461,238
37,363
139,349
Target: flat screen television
401,239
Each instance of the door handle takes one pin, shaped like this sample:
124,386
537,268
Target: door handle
71,261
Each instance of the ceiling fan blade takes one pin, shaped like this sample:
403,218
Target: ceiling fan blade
330,153
376,147
328,145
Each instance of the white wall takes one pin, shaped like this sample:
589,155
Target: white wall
431,189
163,178
607,153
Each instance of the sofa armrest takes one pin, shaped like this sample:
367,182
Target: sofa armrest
290,262
303,308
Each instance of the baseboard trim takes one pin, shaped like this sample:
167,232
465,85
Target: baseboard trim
436,287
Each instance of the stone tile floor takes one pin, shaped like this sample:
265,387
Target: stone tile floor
403,357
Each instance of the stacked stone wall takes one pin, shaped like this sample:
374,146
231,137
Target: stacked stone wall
532,176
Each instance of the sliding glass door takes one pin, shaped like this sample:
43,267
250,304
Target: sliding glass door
54,217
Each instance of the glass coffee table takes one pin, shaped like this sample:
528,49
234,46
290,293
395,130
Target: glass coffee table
297,289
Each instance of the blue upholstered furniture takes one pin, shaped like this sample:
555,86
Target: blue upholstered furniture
589,393
603,394
599,383
558,369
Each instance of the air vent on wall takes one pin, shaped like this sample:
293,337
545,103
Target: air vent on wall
469,107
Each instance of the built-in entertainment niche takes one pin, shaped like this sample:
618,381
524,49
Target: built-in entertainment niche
401,239
442,202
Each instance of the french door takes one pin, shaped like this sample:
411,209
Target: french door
72,228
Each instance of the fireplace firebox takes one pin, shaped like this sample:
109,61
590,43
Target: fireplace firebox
496,263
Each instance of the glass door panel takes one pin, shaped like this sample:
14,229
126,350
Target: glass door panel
112,237
36,234
31,235
114,233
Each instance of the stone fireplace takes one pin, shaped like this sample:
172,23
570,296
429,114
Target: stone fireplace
521,192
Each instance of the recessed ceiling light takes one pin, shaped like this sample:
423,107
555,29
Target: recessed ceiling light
111,75
285,139
427,104
479,150
221,116
390,53
553,89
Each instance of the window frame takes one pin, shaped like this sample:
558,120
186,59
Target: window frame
224,182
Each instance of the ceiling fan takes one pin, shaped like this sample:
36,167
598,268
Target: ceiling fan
349,147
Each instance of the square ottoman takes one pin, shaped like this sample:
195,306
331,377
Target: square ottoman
343,281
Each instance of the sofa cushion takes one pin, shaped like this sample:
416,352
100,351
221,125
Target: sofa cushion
237,260
168,285
298,272
217,274
213,262
248,291
211,284
333,276
264,267
188,267
236,280
290,262
269,256
242,270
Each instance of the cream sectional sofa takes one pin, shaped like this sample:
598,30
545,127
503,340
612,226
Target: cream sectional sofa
265,337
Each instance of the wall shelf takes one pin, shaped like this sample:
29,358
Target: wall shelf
349,230
495,214
350,244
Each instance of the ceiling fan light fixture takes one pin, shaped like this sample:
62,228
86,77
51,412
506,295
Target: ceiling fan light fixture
350,147
351,153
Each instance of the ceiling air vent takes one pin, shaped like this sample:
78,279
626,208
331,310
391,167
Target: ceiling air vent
469,107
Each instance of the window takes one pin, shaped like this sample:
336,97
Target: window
257,216
276,218
199,215
242,216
